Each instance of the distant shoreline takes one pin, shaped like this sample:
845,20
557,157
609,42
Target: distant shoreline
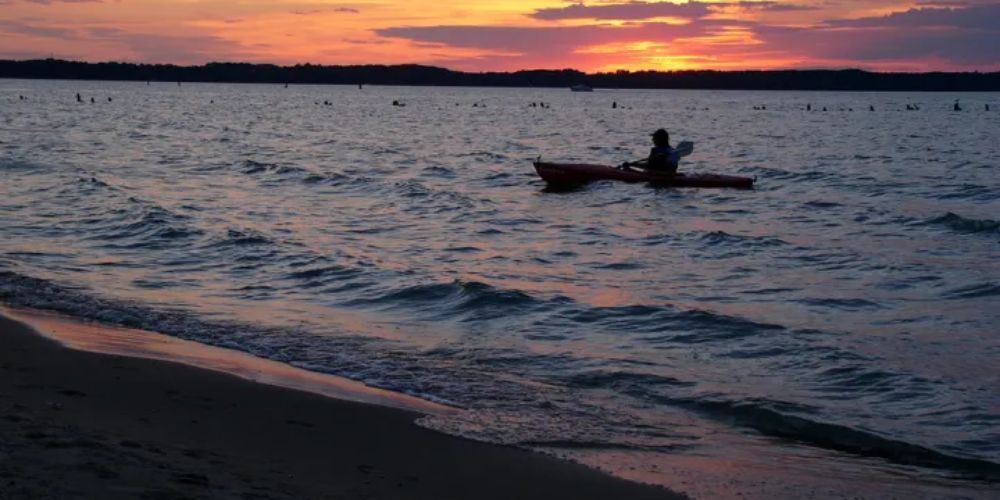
417,75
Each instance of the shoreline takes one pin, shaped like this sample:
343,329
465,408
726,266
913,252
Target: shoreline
112,426
83,335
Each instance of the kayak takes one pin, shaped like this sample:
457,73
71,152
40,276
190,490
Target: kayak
580,173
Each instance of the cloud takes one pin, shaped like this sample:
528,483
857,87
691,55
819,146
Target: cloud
190,48
953,3
52,2
966,36
977,17
550,39
637,10
344,10
956,47
624,11
23,28
772,6
360,41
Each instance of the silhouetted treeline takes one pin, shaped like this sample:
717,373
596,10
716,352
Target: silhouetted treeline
410,74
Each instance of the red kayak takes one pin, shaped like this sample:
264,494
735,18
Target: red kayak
580,173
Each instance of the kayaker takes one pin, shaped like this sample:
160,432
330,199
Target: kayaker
662,157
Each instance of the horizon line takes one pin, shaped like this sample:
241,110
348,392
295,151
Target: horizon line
504,72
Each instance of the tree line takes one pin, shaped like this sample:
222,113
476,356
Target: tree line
412,74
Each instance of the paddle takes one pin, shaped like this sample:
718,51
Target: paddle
684,148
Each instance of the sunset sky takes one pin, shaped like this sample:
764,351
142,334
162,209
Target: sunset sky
601,35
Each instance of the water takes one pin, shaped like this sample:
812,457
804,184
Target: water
833,332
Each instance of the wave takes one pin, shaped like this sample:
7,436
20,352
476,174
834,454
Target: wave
376,362
763,418
486,155
790,421
621,380
9,164
967,192
476,301
961,224
238,238
974,291
822,204
118,220
446,199
722,238
251,167
320,273
325,179
527,417
439,172
273,172
781,174
151,226
665,324
838,303
465,300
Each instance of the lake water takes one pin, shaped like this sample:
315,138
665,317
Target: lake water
833,332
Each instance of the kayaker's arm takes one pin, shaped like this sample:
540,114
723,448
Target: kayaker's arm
638,163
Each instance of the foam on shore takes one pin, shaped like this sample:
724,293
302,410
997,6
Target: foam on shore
92,337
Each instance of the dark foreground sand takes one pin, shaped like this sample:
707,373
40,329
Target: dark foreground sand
76,424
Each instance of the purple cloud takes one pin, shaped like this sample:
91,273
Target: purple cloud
637,10
773,6
985,17
629,10
551,39
968,37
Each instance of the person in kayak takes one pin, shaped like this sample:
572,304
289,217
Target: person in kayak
662,157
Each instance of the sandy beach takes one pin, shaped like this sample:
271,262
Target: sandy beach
79,424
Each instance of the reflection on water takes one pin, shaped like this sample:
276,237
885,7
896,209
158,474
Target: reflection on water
837,322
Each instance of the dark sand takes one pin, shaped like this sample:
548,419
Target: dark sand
77,424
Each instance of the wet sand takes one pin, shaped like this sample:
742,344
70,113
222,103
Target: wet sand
78,424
